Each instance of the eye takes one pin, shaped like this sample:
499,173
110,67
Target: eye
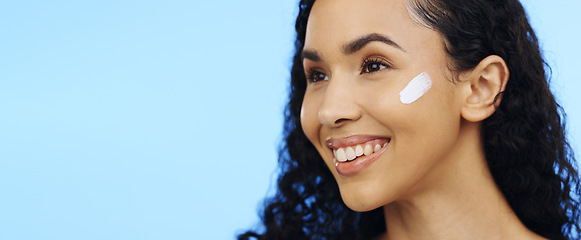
373,65
315,76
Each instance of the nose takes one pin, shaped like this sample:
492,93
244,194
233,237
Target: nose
339,104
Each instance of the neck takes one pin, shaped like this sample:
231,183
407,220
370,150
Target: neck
458,202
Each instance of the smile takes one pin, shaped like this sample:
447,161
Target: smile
354,153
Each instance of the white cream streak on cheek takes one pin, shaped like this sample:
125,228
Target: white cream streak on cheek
416,88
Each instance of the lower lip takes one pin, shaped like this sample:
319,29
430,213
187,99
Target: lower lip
353,167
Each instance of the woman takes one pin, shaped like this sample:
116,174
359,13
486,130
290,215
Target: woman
419,119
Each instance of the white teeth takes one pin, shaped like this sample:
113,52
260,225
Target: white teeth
350,153
340,155
358,150
368,150
377,148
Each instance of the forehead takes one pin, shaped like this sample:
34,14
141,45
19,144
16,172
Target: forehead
334,22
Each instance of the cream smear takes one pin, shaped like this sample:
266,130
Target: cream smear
416,88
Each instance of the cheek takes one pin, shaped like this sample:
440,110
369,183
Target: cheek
425,130
422,127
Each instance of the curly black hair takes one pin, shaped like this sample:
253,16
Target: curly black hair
524,140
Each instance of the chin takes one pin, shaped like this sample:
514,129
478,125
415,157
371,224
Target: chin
361,206
362,201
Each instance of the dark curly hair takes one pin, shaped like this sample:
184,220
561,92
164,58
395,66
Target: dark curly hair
524,140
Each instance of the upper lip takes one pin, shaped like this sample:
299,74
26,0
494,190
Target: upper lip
351,140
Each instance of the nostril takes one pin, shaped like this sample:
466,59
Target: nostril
337,111
336,118
339,121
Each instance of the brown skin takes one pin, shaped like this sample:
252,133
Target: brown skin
432,181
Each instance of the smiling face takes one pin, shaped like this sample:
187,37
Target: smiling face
358,57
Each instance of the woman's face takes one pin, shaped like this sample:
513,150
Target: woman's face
358,57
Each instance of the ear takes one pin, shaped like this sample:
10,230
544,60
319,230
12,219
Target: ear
485,82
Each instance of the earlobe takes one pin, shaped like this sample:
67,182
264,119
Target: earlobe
485,82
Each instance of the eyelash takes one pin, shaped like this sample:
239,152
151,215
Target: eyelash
368,61
310,73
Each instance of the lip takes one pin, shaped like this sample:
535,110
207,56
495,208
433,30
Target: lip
360,163
351,140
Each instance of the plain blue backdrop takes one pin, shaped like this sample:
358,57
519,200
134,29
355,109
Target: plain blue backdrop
161,119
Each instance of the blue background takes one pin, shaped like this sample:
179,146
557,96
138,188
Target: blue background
161,119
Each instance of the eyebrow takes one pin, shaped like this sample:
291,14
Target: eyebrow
360,42
354,46
311,55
